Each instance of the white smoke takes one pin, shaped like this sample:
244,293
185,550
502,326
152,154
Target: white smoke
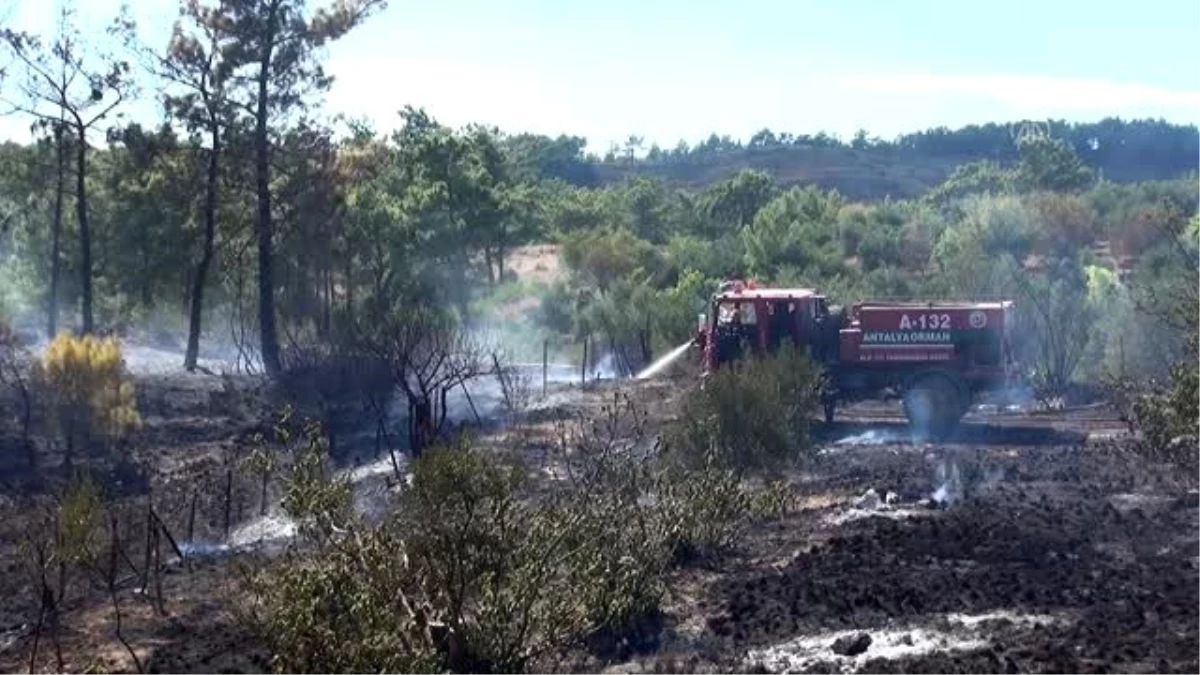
874,437
949,483
953,484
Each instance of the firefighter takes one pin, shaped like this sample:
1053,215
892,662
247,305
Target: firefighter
729,335
783,323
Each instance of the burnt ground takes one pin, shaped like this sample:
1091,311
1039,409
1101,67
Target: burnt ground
192,427
1060,551
1055,549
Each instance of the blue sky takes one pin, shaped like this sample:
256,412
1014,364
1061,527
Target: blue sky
674,69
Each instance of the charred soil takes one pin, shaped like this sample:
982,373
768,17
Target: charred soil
1051,547
1055,549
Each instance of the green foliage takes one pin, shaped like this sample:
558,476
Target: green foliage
879,248
986,177
388,239
524,579
651,209
1170,421
717,258
319,502
1051,164
571,209
624,317
368,224
487,557
543,158
705,510
733,203
852,226
753,415
979,255
80,522
678,306
796,228
1067,222
604,257
556,311
1057,321
1167,290
345,610
1044,164
478,571
457,197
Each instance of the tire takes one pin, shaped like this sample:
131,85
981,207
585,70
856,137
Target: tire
933,407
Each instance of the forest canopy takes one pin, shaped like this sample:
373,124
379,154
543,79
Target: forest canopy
247,216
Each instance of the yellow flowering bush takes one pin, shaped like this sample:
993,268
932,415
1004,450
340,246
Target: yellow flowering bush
89,387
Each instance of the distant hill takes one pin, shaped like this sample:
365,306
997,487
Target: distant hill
856,174
871,168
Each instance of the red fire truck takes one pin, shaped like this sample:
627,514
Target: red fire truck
936,356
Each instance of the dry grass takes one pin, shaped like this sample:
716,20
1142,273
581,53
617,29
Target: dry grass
537,262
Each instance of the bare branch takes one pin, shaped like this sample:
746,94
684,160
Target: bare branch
103,113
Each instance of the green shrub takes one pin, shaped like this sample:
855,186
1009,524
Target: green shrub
602,257
751,415
349,609
677,307
474,573
501,568
704,510
480,570
1169,421
556,310
525,574
775,500
716,257
879,247
318,501
852,225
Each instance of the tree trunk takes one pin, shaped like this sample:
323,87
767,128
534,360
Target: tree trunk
185,289
461,294
487,262
228,500
147,289
500,252
327,317
647,338
262,496
69,451
440,412
56,231
85,235
262,170
210,233
349,282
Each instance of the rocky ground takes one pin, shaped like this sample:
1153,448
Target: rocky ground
1029,543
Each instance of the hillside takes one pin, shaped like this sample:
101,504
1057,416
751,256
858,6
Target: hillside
856,174
871,168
